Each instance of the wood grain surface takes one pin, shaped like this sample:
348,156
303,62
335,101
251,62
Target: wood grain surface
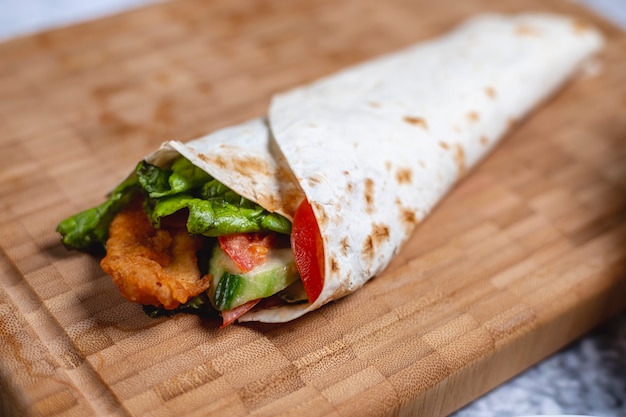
525,255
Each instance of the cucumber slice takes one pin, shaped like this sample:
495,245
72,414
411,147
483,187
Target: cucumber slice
231,287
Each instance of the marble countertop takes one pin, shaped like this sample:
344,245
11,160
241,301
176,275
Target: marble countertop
587,377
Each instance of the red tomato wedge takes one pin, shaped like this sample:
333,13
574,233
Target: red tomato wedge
308,250
247,250
232,315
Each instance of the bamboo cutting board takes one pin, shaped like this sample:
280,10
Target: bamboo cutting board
525,255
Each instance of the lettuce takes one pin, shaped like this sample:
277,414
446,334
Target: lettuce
219,217
181,177
214,209
89,229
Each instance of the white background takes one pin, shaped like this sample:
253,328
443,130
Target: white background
22,17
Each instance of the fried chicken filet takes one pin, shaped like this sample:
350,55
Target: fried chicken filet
153,266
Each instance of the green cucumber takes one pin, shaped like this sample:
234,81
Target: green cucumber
231,287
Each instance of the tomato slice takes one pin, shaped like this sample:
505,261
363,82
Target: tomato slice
231,315
247,250
308,250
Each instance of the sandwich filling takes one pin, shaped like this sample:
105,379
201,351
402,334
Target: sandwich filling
176,239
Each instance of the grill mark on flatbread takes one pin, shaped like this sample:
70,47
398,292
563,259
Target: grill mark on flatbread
408,217
369,195
248,166
404,176
379,234
484,140
444,145
374,104
321,215
334,264
368,247
388,165
416,121
315,180
345,246
459,158
525,30
491,92
473,116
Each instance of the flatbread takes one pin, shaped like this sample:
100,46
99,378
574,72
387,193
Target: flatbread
374,147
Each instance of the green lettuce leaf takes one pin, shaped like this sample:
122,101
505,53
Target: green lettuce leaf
89,229
219,217
182,177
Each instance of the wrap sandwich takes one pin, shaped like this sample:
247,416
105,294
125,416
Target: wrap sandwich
275,217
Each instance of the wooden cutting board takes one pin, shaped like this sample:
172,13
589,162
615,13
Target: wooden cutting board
525,255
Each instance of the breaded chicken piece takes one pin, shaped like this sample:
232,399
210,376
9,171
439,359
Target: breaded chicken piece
150,266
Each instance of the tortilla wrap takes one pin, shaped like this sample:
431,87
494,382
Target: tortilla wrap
374,147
